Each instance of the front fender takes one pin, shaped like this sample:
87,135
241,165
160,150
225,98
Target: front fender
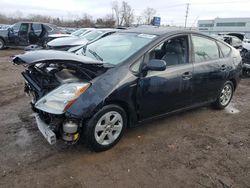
113,87
86,105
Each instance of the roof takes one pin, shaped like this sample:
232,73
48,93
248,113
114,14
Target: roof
37,23
158,30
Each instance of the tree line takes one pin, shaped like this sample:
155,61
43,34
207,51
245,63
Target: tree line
122,15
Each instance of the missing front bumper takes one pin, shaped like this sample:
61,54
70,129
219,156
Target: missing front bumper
48,134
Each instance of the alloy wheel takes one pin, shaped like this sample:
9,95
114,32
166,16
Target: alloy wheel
108,128
226,94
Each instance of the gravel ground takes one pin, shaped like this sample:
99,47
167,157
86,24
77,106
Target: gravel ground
198,148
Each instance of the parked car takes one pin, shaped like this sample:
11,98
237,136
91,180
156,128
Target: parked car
125,79
25,33
232,40
245,54
68,42
77,33
4,26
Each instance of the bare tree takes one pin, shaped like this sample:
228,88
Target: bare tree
84,21
115,9
127,14
138,20
148,14
107,21
124,14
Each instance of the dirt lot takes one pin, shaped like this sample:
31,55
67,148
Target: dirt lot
198,148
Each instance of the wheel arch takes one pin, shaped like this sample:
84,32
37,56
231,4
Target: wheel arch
131,117
234,83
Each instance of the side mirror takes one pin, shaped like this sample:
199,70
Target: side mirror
155,65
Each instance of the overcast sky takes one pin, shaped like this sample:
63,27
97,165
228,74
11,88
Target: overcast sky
171,12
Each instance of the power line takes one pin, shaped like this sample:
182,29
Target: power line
225,2
185,4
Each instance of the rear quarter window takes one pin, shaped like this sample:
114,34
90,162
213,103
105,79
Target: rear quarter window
226,50
48,28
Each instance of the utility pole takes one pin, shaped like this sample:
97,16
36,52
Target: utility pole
186,15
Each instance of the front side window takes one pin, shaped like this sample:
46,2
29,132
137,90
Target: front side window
173,51
24,27
204,49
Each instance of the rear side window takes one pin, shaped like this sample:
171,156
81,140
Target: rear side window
204,49
224,49
37,27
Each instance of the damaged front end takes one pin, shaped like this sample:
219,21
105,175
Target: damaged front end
55,80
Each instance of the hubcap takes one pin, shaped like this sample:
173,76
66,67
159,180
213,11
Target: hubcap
226,94
108,128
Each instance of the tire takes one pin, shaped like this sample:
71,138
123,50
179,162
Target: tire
101,135
225,96
246,73
2,44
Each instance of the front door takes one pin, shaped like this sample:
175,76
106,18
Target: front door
23,34
161,92
13,34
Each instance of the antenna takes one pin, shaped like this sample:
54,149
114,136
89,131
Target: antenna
194,22
186,15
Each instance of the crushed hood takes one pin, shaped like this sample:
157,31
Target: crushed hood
67,41
33,57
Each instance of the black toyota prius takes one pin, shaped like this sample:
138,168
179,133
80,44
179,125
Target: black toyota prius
125,79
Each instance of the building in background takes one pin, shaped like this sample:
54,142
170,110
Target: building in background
225,25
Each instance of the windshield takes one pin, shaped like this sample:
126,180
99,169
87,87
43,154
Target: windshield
78,32
93,35
116,48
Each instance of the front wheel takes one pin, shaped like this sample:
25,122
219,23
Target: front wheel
225,96
105,128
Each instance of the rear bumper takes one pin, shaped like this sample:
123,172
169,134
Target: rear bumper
48,134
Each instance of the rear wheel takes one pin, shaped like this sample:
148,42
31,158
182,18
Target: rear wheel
2,44
105,128
225,95
246,73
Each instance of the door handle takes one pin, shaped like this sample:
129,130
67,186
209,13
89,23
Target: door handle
223,67
187,75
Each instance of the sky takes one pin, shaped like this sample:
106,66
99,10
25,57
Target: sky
171,12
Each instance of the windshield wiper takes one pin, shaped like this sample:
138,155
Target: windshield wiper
95,55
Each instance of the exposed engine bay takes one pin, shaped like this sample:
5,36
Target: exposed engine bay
43,77
46,82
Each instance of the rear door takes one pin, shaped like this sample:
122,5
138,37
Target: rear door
210,69
35,32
